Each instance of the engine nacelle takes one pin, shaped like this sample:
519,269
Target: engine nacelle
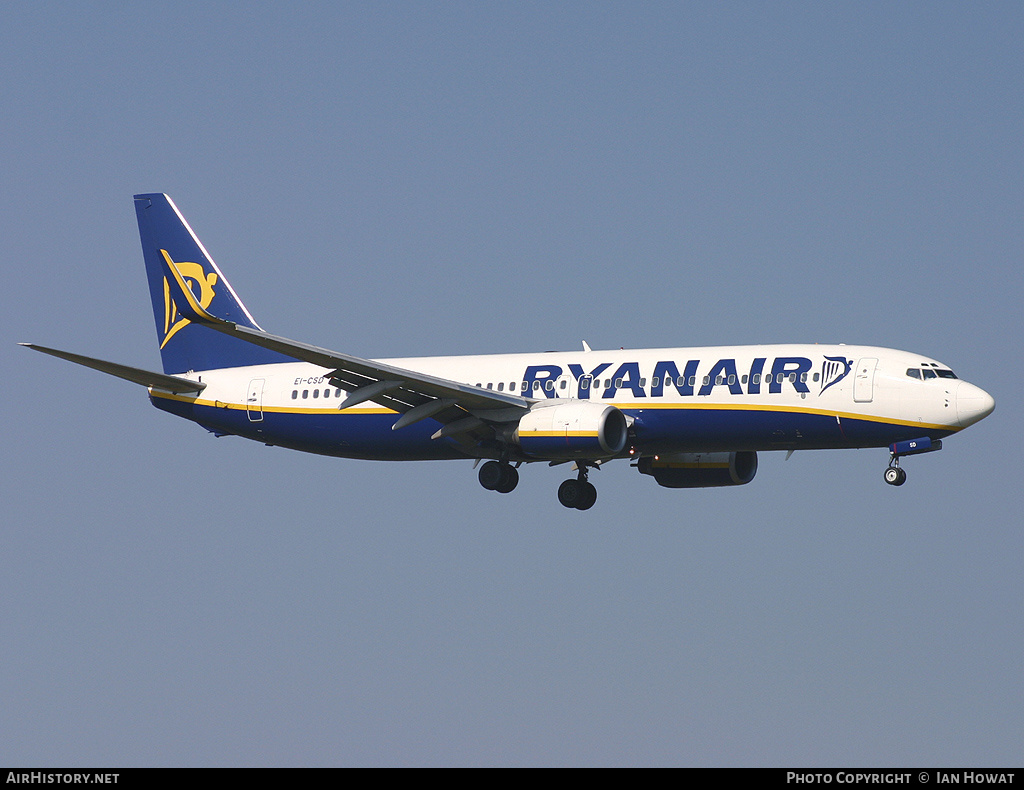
573,429
701,470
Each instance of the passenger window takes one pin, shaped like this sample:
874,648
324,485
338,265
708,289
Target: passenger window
305,394
756,378
744,379
295,394
501,386
681,381
655,381
693,380
803,378
562,385
815,377
643,382
549,385
731,380
618,383
316,393
707,380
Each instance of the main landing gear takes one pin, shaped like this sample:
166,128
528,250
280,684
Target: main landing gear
579,493
498,476
502,477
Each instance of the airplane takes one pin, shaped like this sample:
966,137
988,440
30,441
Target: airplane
688,417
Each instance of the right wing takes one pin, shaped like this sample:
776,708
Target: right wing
466,413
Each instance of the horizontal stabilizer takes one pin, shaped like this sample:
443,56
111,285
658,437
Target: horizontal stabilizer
147,378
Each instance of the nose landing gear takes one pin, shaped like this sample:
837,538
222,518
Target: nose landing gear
895,476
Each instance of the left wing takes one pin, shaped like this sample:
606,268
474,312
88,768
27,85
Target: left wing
467,413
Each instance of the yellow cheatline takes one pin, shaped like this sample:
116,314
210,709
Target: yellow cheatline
276,409
638,406
666,465
589,434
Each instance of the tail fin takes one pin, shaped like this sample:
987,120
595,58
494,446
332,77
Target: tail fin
185,345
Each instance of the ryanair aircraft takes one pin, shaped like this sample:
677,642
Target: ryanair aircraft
688,417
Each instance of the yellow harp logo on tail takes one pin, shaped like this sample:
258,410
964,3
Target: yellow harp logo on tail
194,275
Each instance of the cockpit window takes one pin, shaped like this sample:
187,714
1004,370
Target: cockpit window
930,373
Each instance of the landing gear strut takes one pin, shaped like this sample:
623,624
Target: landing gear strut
498,476
895,476
579,493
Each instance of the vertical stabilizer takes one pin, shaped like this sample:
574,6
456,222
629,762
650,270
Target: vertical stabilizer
185,345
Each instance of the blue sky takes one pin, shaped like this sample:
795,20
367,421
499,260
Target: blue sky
398,179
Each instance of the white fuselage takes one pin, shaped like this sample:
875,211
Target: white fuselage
678,399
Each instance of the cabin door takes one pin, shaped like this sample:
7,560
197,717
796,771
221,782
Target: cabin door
254,400
864,381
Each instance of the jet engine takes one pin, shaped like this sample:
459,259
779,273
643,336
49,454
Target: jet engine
572,429
701,470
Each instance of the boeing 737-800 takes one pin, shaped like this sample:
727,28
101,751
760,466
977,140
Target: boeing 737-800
688,417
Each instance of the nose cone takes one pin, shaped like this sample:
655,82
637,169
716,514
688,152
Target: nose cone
972,404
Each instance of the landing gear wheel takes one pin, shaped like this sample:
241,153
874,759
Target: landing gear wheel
509,479
587,498
500,477
569,492
895,476
577,494
490,475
